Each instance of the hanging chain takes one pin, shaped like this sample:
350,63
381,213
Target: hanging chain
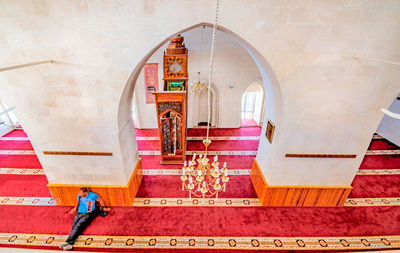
211,67
201,50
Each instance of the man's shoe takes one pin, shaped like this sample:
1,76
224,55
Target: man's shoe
67,247
63,245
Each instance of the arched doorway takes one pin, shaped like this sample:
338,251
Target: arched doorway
252,106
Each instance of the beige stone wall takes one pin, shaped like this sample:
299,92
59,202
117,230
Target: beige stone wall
321,100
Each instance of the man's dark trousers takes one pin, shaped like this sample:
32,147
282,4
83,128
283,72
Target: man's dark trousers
81,221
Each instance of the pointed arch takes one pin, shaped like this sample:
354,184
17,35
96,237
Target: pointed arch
274,100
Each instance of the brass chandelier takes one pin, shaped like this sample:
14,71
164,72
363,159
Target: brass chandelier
204,180
198,86
199,177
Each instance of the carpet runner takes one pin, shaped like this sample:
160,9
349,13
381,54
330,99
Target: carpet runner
249,123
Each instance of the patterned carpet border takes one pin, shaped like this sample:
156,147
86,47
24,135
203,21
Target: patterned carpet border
379,172
27,201
14,139
144,152
172,172
176,202
203,242
354,202
383,152
377,137
21,171
17,152
226,202
175,172
201,151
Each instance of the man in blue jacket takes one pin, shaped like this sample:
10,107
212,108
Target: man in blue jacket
85,211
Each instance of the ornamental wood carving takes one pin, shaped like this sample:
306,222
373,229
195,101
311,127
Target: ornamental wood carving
181,60
165,106
171,118
175,60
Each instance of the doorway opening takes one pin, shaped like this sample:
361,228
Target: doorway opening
252,106
8,120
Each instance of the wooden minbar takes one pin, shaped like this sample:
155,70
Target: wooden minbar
171,103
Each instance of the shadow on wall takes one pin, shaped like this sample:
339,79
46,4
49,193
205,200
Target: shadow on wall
389,128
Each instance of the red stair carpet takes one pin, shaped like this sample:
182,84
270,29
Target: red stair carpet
19,161
15,145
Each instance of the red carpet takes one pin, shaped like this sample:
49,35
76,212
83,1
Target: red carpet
155,187
382,145
234,162
249,123
151,132
248,131
206,221
375,186
231,145
15,145
23,186
148,145
380,162
19,161
16,133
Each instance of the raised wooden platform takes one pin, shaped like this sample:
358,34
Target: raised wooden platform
296,195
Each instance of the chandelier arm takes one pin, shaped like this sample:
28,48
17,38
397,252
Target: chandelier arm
209,187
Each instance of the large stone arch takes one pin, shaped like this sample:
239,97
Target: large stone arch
126,130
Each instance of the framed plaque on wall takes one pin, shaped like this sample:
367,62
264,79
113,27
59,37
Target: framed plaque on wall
270,131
